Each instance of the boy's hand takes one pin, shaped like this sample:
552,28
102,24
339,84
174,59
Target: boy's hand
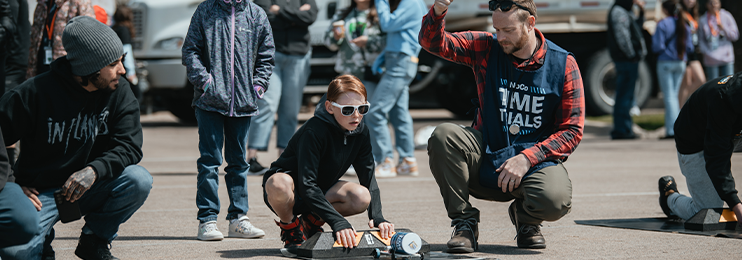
386,229
346,237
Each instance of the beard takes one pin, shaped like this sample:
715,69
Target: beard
102,84
515,46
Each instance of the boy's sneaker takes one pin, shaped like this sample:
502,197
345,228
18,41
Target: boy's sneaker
209,232
408,166
255,167
311,224
386,169
667,187
91,247
291,233
241,227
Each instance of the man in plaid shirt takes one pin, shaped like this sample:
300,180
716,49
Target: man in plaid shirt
530,118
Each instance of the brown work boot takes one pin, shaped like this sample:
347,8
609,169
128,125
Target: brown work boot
528,235
464,237
311,224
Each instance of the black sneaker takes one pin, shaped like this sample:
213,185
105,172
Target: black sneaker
255,167
528,235
48,252
311,224
667,187
291,233
91,247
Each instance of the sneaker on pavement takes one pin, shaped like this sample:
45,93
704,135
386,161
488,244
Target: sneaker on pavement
311,224
255,167
291,233
667,187
386,169
408,166
91,247
528,235
241,227
209,232
464,237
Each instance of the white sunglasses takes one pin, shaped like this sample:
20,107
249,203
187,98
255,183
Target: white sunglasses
348,110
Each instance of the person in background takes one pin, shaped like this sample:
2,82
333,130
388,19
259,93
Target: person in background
50,19
230,73
125,30
303,187
718,31
16,60
401,20
627,49
672,43
7,35
694,76
290,21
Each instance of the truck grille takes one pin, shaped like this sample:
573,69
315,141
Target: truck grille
139,12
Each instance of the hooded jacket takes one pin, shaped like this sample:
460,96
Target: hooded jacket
711,121
228,50
65,128
317,156
66,10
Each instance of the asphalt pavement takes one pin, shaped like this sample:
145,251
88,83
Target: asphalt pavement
610,180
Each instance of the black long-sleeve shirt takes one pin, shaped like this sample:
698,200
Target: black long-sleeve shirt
290,25
65,128
711,121
317,156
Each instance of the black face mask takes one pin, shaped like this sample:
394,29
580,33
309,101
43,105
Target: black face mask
626,4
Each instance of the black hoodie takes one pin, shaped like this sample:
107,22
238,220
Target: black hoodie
317,156
711,121
63,128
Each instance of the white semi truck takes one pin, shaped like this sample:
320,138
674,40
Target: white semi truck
577,25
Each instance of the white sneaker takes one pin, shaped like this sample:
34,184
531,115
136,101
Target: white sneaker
386,169
209,232
408,166
241,227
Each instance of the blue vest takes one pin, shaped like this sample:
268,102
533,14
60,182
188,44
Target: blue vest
528,99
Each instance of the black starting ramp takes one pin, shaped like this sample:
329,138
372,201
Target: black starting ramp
369,245
708,222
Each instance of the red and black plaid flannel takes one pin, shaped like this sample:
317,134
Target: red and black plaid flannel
472,49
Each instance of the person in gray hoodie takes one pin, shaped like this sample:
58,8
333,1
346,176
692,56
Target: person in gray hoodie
228,54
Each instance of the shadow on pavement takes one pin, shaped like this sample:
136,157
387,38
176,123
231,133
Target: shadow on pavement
131,238
250,253
491,249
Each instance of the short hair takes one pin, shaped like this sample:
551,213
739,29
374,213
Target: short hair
345,83
528,4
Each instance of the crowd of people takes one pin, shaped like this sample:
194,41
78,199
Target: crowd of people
74,106
689,50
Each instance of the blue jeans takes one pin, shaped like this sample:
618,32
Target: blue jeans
283,97
214,131
713,72
107,205
626,74
19,222
670,75
390,103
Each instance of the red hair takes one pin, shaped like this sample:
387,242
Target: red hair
345,83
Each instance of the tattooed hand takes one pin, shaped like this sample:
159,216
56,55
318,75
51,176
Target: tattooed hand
79,183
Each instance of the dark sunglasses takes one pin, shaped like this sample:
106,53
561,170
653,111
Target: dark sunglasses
505,6
348,110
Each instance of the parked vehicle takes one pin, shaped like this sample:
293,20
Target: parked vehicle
576,25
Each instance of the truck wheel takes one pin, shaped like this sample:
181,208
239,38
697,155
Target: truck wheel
179,103
599,80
